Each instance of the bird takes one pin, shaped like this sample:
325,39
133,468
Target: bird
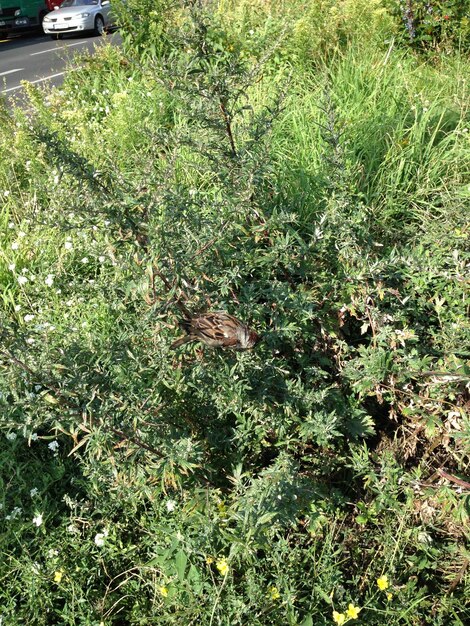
217,329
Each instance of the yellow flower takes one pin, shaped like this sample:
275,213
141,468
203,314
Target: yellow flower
389,596
58,575
382,583
339,618
209,560
163,590
222,566
274,593
353,611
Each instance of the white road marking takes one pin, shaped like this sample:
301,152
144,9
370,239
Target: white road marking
33,82
69,45
20,69
40,80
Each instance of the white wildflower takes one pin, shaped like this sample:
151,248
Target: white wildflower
11,436
22,280
14,514
68,245
85,259
37,521
11,267
15,245
53,446
49,280
28,318
170,505
100,538
34,492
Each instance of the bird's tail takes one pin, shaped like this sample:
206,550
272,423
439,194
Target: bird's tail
181,341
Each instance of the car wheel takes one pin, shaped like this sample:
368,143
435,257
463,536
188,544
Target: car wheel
99,25
58,36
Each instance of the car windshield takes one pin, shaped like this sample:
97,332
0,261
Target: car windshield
78,3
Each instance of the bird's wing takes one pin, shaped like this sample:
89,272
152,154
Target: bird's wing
216,327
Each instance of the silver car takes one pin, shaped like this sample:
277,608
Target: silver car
77,16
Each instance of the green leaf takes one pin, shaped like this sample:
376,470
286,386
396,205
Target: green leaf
181,561
50,398
322,594
194,578
265,518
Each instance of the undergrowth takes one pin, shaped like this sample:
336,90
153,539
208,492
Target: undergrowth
271,160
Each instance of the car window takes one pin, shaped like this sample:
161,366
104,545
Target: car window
78,3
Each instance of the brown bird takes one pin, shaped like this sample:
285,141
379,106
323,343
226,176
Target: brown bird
217,330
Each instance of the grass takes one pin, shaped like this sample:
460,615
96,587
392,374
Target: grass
145,486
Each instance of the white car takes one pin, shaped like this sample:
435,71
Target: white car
77,16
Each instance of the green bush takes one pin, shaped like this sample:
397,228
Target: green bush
431,24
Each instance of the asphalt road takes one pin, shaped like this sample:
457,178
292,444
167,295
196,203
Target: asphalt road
40,60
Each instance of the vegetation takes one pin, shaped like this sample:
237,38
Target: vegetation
305,166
